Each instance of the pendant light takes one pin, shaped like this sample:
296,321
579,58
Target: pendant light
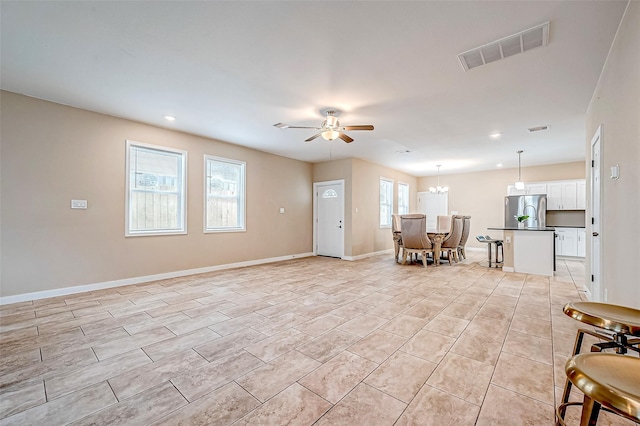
519,183
439,189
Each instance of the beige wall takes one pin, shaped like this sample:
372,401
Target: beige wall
53,153
616,106
363,234
368,237
481,194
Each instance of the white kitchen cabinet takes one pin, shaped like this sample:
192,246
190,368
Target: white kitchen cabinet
567,241
582,242
511,190
536,188
581,201
554,196
529,189
562,195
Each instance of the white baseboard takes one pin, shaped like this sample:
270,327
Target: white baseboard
137,280
475,249
364,256
507,269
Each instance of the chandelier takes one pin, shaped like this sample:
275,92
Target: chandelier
439,189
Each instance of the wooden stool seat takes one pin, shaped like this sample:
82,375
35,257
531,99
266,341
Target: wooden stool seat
606,380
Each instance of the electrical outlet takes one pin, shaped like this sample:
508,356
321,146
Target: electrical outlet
78,204
281,210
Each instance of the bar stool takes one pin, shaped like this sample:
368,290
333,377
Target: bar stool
498,243
617,325
608,381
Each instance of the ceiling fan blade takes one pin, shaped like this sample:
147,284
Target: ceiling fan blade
345,137
313,137
359,127
289,126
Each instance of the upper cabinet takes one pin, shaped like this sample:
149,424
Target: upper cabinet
561,195
581,203
529,189
536,188
566,195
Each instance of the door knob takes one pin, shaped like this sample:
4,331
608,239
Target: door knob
595,234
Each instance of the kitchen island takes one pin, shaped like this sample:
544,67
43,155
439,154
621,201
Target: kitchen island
528,250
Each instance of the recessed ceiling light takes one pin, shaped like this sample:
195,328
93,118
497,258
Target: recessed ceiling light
495,135
169,117
499,165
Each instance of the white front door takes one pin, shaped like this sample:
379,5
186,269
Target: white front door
329,201
433,205
594,283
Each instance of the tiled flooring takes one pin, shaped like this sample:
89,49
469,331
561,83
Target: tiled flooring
308,341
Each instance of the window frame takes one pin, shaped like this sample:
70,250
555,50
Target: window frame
242,196
390,205
182,198
405,185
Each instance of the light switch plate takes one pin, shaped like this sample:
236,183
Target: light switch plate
281,210
615,172
78,204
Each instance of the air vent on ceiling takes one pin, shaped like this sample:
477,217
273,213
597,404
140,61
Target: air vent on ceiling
508,46
538,129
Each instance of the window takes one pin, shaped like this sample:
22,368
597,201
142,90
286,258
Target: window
156,190
386,202
403,198
330,193
224,194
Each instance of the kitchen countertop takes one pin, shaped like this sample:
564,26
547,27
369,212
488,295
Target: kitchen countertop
568,226
514,228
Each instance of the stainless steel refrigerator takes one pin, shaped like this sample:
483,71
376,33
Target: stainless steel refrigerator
534,206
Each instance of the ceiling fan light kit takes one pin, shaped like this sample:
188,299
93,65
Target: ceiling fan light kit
330,129
330,134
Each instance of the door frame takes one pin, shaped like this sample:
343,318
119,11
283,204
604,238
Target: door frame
315,214
596,291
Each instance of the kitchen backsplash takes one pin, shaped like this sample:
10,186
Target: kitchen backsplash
572,218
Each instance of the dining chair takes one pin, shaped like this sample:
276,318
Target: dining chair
443,222
466,226
396,229
452,240
414,237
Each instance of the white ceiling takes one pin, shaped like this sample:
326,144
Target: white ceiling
230,70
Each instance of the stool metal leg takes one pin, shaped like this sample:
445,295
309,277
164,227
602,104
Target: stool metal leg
489,250
590,412
567,386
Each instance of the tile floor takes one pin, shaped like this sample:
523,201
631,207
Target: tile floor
308,341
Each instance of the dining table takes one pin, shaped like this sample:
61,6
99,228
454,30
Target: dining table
437,235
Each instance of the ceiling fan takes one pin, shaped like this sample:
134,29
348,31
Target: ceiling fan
330,128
